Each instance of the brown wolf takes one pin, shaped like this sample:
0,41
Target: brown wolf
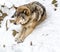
29,16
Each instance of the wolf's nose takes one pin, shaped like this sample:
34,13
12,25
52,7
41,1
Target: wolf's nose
13,16
15,23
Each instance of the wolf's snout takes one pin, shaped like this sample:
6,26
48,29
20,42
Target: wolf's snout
15,23
13,16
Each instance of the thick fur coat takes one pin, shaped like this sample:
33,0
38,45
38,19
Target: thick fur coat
29,16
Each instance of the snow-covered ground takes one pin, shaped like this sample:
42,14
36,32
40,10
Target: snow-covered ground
45,37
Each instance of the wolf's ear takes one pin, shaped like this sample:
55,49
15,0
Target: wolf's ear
15,7
24,9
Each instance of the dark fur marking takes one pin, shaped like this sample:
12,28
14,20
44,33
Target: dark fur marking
41,6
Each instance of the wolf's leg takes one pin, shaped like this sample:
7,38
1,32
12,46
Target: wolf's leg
24,33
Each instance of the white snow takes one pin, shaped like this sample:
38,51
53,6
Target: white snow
45,37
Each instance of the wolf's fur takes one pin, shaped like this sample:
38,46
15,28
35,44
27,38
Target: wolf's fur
29,16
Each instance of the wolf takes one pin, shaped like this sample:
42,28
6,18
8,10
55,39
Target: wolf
29,16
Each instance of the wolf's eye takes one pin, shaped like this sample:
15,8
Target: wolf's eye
23,17
18,14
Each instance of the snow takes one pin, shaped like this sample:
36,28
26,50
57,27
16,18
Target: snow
45,37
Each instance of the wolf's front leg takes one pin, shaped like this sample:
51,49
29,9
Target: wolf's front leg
23,34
